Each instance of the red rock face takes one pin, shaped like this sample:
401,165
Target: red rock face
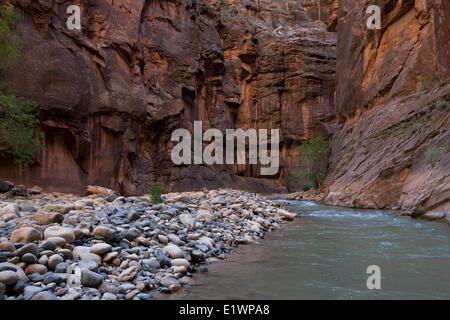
392,102
318,9
111,95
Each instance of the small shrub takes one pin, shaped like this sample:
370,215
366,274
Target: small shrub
18,118
313,160
359,141
18,121
447,146
432,155
306,187
155,193
425,84
9,40
414,127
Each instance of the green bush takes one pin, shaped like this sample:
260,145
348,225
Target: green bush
432,155
155,193
18,118
313,160
9,41
18,121
306,187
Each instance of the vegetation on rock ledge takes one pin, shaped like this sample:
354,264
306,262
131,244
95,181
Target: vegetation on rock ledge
313,160
18,119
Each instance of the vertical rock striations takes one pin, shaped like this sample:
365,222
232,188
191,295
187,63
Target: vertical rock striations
111,94
392,101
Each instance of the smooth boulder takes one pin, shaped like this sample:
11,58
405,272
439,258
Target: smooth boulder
25,235
173,251
8,277
58,231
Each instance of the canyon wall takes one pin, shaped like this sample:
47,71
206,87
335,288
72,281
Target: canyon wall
318,9
392,102
111,94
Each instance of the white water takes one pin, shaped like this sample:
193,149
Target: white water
324,254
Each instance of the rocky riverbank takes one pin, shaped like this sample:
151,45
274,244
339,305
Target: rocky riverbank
62,246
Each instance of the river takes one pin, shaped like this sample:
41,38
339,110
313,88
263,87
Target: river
325,253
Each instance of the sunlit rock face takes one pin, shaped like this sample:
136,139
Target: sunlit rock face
111,94
392,101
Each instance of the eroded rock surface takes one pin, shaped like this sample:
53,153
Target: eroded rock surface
392,101
111,94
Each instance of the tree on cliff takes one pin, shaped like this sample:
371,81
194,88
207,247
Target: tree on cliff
18,118
313,160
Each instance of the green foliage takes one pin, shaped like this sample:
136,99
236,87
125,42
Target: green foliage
415,127
306,187
425,84
447,146
18,118
359,141
18,121
313,160
432,155
155,193
9,41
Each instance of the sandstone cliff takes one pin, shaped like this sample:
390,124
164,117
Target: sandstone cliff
111,95
392,101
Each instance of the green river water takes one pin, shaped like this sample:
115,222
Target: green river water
325,253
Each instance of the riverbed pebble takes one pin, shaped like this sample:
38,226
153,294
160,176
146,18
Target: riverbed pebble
110,247
90,278
173,251
181,262
101,248
8,277
63,232
35,268
25,235
54,260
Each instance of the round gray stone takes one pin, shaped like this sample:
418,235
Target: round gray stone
8,277
90,278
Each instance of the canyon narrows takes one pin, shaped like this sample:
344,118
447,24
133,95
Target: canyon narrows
138,105
111,95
